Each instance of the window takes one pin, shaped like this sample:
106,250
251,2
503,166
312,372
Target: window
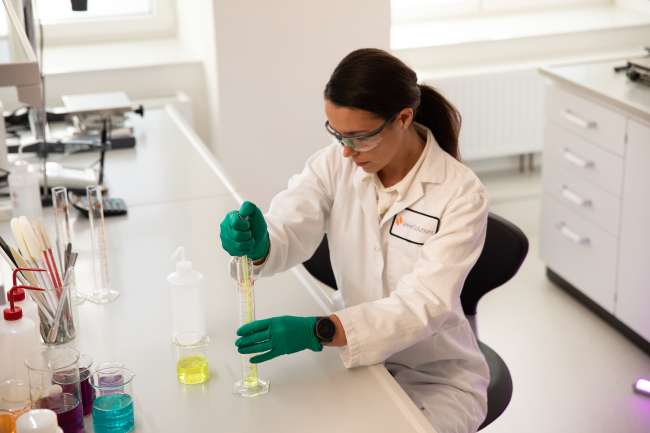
51,11
106,20
417,10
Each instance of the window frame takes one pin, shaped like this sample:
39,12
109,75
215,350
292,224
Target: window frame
160,23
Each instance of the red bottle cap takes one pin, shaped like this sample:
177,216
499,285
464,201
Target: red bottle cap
19,295
12,314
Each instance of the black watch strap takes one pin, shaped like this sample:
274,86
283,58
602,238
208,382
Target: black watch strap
324,330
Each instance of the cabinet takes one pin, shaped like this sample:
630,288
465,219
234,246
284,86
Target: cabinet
595,225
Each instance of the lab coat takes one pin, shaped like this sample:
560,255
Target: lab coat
400,278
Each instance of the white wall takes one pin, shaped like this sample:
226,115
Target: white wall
273,61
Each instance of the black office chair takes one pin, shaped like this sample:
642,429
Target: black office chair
504,251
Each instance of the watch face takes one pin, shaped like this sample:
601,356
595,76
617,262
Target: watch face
326,329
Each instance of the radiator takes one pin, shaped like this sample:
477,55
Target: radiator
502,111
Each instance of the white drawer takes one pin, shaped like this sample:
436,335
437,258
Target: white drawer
584,159
586,118
579,252
584,198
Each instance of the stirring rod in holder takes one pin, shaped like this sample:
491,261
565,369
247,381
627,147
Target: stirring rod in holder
250,385
102,292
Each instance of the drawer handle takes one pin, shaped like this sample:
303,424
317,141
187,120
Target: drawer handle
570,234
578,121
575,159
573,197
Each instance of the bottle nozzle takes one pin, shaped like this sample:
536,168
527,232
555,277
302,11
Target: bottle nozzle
183,267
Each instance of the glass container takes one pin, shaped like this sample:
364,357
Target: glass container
87,391
113,405
103,292
250,385
16,397
63,237
56,371
192,357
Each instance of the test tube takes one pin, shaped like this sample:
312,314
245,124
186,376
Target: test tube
102,292
63,238
250,385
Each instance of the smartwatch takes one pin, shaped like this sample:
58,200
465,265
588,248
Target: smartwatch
324,330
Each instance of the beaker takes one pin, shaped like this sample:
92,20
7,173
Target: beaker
109,379
56,370
250,385
103,292
192,357
87,391
16,397
112,410
55,329
63,238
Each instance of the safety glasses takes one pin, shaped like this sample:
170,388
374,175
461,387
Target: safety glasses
361,142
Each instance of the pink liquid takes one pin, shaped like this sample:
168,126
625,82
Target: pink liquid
110,381
68,411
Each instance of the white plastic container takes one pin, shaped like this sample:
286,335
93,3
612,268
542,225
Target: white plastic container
16,343
30,310
25,192
186,304
38,421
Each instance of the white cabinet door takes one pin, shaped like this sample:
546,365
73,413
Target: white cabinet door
633,306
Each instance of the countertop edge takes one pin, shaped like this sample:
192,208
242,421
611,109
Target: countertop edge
631,109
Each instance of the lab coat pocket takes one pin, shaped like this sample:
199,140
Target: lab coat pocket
401,259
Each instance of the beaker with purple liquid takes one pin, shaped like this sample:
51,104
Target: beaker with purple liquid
56,371
87,391
110,376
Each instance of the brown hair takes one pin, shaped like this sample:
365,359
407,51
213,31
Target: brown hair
373,80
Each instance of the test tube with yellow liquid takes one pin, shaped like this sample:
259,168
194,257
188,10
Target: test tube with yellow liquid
250,385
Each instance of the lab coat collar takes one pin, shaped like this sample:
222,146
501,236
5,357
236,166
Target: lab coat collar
430,175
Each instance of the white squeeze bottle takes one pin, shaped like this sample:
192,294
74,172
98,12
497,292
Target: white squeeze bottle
38,421
186,305
24,189
30,310
16,342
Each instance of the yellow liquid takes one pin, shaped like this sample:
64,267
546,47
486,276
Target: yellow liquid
192,370
250,376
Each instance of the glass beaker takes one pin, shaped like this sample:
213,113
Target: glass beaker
56,371
56,329
63,237
16,397
192,357
113,410
102,292
250,385
109,379
87,391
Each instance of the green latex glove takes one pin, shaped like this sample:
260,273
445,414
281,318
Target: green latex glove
277,336
245,238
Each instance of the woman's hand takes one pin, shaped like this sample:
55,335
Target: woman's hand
245,236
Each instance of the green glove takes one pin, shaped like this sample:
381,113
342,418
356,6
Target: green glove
277,336
245,238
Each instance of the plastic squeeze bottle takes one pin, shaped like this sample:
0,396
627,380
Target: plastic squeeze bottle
38,421
25,192
185,289
16,341
30,310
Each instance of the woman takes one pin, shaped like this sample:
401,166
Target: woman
405,222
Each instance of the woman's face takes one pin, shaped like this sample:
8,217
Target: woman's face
352,121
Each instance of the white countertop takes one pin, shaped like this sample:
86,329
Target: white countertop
177,196
599,79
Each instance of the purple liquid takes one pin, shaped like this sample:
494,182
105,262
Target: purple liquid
110,381
68,411
87,395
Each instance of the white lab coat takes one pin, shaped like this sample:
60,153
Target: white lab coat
402,298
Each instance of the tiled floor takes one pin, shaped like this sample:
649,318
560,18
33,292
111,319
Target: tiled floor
571,371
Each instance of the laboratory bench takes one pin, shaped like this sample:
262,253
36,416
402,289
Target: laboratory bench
594,233
177,194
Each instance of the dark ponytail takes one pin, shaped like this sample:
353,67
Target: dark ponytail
373,80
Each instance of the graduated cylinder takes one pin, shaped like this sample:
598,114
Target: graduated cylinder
250,385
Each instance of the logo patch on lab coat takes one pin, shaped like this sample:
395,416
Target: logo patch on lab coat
413,226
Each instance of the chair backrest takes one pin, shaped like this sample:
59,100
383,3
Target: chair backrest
504,251
320,266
